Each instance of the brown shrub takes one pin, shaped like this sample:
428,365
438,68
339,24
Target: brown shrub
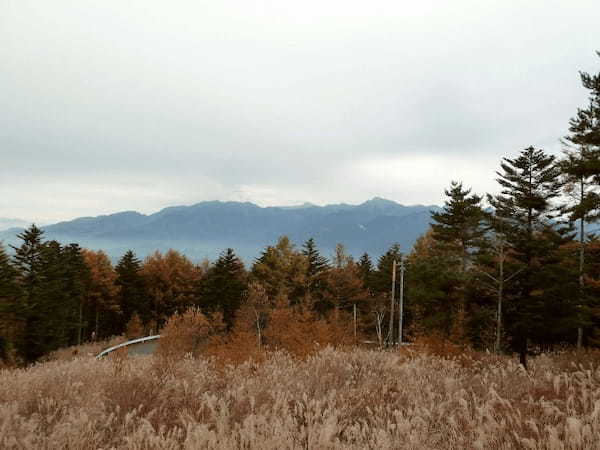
188,332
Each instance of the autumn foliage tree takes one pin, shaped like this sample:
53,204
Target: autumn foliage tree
170,281
101,295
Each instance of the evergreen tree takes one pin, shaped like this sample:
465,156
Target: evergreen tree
581,172
27,260
9,297
432,285
525,212
223,287
382,278
459,228
316,262
132,295
460,224
365,269
317,267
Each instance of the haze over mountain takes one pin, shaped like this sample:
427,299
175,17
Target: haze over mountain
205,229
6,223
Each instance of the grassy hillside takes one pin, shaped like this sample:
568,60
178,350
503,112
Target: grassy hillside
333,399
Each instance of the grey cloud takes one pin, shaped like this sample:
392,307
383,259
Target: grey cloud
275,100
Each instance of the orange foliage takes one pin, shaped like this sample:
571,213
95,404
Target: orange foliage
189,332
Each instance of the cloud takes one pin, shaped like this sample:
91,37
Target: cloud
139,105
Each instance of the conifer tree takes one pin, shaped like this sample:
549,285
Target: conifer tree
170,280
9,297
365,269
316,262
101,296
317,266
282,271
525,211
581,171
132,297
460,224
432,285
223,287
459,228
27,260
382,277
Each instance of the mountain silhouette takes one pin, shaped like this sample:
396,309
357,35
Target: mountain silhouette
205,229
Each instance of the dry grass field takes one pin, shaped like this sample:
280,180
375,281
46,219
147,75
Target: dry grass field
352,399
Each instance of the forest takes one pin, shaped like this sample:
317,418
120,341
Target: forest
517,271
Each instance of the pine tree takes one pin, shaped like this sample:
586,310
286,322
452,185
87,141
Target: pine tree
581,171
460,224
525,212
432,285
382,277
316,262
317,266
10,294
132,296
27,260
365,269
223,287
459,227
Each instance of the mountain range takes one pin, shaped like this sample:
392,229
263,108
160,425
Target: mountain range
205,229
6,223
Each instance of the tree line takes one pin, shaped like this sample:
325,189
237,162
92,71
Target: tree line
511,271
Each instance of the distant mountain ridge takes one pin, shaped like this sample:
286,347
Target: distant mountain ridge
6,223
205,229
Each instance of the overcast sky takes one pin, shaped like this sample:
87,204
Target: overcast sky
136,105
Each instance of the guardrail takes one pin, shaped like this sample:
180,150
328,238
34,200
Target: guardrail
132,342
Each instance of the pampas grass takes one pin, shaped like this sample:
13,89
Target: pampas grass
333,399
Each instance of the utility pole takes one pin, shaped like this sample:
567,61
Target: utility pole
392,302
401,312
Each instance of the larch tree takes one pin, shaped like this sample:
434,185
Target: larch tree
282,271
101,292
171,281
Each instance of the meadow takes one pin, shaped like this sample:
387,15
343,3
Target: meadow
350,398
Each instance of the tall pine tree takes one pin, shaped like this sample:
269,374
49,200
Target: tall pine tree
525,213
581,171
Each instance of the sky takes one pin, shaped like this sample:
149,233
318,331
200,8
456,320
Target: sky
138,105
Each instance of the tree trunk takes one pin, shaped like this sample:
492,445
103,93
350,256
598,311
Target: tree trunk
258,329
97,327
392,302
581,268
355,341
500,293
523,353
80,325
